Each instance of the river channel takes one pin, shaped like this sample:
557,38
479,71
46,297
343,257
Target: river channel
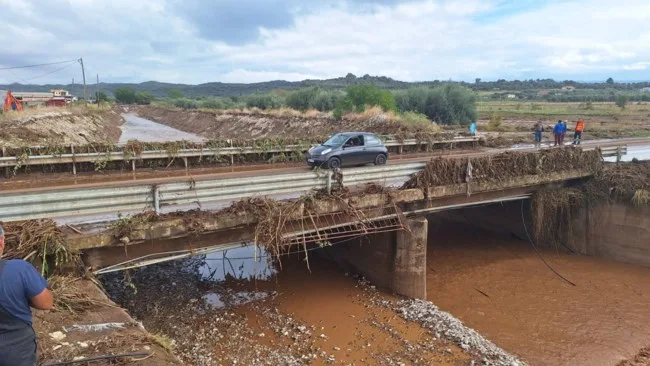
494,283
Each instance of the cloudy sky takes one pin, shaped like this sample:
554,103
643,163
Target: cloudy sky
197,41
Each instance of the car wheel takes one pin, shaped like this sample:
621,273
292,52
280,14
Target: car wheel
334,163
380,159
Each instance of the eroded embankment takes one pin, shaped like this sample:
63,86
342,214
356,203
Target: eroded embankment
59,127
84,322
234,124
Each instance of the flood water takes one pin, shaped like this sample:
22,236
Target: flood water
136,128
499,286
495,283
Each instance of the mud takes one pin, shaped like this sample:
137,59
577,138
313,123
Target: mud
499,286
74,342
55,127
297,317
258,124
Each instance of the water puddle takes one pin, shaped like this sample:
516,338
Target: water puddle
136,128
240,264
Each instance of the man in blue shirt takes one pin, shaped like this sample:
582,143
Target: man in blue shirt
21,286
557,132
472,128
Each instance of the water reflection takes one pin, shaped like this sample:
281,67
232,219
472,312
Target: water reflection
136,128
239,263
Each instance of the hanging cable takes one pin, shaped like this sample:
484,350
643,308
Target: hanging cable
49,73
523,221
38,65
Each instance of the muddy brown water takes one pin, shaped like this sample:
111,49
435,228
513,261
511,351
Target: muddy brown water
498,285
494,283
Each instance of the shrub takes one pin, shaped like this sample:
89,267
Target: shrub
125,95
185,103
621,101
263,101
447,104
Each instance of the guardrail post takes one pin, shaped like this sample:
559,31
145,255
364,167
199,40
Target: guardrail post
156,199
618,154
329,181
185,161
74,165
4,154
232,156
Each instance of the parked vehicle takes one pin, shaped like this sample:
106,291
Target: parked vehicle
348,149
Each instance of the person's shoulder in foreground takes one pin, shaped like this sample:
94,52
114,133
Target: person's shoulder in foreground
21,286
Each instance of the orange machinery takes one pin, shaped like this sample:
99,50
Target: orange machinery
11,103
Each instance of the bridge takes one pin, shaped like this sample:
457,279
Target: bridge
298,212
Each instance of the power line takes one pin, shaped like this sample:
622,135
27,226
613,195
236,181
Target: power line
38,65
49,73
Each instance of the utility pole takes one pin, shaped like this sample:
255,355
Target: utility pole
97,91
83,73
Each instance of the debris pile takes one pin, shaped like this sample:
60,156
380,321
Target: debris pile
447,171
39,241
441,323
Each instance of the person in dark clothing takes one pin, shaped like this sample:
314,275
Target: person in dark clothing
539,130
21,287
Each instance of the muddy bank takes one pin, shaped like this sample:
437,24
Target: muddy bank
296,318
60,126
101,329
499,286
233,124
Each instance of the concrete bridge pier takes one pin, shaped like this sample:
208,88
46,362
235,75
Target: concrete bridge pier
396,261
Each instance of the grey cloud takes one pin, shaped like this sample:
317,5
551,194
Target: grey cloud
236,22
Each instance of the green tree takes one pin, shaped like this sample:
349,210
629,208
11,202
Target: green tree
101,97
446,104
125,95
302,99
143,97
609,81
621,100
175,93
263,101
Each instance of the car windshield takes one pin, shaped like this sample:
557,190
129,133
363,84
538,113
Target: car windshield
336,140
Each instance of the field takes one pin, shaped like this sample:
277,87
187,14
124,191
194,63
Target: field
602,120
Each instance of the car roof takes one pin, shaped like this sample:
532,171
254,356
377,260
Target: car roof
356,133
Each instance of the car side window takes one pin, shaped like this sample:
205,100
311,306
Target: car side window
355,141
372,140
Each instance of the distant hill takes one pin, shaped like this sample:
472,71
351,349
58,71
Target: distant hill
218,89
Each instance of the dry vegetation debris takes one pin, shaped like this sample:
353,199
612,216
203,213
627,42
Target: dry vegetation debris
447,171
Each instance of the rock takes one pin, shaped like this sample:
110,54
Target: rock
337,348
77,358
83,344
323,336
57,336
261,335
56,347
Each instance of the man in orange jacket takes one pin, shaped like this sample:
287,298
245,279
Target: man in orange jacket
577,135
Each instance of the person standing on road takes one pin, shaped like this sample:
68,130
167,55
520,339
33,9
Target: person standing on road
577,135
21,286
564,129
557,132
472,128
539,130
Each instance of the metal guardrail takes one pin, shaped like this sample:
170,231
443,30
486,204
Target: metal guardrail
126,156
57,203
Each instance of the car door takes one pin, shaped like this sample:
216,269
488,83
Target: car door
372,147
353,151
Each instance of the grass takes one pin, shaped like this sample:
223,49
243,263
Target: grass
546,109
163,341
641,197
